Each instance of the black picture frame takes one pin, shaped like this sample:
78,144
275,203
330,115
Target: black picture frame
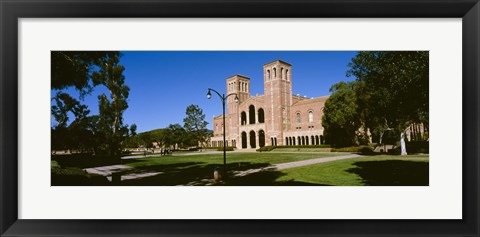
11,11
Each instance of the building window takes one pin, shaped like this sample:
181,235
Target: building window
243,118
261,116
286,74
251,114
268,75
310,116
299,120
274,73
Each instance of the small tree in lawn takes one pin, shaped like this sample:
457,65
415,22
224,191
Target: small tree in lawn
195,125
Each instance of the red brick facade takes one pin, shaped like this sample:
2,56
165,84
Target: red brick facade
275,118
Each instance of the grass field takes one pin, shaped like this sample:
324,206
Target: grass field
372,170
375,171
185,169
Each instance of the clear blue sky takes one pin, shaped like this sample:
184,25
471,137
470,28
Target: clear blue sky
163,83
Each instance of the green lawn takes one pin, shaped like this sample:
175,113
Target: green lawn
232,158
178,170
375,170
382,170
372,170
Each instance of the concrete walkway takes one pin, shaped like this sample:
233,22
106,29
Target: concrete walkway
109,171
174,154
294,164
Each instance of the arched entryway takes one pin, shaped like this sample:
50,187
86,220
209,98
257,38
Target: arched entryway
261,138
252,140
244,140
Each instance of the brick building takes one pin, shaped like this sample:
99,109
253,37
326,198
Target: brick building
277,117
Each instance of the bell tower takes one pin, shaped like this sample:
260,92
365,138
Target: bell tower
237,84
278,99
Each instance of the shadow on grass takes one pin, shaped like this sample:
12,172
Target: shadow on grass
392,173
192,173
263,178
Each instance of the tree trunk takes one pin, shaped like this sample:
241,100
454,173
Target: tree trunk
403,148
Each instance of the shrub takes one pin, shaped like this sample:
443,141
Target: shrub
414,147
228,148
270,148
75,176
266,148
365,150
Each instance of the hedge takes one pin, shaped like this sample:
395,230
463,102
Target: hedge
414,147
270,148
75,176
366,150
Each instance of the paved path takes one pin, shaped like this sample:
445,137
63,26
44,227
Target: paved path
108,171
294,164
174,154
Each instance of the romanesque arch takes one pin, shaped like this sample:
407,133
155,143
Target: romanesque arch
261,138
244,140
253,139
243,118
251,114
261,116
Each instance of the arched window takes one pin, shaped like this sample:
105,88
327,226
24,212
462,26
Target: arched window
274,73
281,73
299,120
310,116
268,74
243,118
286,74
261,116
251,114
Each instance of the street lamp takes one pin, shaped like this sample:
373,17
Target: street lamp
223,98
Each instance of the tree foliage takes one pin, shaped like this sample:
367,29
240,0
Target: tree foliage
75,69
195,126
113,105
340,118
102,133
390,91
395,87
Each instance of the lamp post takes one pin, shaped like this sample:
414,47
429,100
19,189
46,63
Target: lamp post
223,98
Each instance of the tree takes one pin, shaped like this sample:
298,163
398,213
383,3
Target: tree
75,69
175,135
195,125
340,119
111,107
394,89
